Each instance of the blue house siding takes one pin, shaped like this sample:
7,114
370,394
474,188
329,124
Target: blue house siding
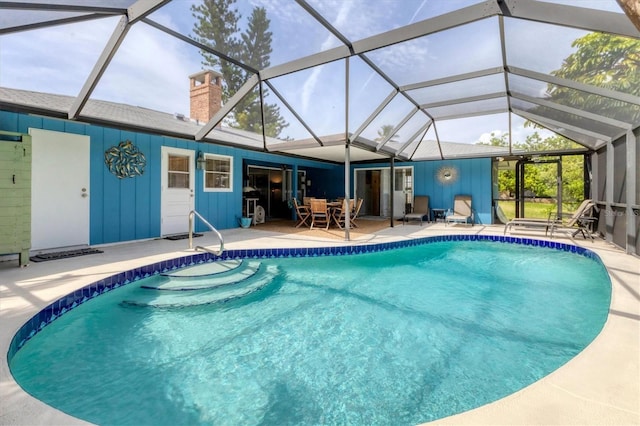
474,178
326,183
129,208
222,209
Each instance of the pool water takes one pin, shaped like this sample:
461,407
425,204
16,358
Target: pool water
397,337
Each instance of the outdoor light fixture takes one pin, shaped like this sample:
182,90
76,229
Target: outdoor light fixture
201,162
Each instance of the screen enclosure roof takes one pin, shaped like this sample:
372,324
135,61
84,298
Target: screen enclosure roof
411,79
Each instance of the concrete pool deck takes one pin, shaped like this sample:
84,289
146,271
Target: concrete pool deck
601,385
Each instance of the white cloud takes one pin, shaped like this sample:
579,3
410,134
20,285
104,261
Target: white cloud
55,59
405,62
150,70
309,88
487,136
413,17
520,132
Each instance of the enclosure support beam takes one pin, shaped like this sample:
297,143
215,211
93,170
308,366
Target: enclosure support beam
347,156
294,189
609,214
392,183
632,182
247,87
117,37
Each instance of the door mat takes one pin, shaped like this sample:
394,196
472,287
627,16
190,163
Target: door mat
43,257
181,237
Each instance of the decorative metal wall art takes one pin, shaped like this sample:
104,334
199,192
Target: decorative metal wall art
125,160
447,175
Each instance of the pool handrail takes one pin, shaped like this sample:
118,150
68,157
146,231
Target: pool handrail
193,213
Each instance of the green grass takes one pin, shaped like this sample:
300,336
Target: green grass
534,210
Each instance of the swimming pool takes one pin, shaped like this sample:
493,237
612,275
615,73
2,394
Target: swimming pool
320,344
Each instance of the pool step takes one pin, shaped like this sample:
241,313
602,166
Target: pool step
182,282
206,269
178,299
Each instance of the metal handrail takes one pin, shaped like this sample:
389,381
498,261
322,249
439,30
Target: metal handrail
191,216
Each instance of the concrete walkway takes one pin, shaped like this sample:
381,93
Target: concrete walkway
601,385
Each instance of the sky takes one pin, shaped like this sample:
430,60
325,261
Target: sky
151,69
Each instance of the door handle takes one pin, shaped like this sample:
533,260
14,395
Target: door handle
84,193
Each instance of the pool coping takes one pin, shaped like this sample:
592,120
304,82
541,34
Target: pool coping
614,413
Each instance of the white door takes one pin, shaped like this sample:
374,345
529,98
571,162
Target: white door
178,183
59,190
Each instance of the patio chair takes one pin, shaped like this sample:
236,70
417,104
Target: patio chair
532,222
320,213
339,214
355,212
580,221
462,210
419,210
303,213
524,222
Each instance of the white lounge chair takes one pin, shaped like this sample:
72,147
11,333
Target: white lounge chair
462,210
525,222
579,222
419,211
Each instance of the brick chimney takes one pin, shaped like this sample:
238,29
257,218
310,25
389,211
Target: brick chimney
206,95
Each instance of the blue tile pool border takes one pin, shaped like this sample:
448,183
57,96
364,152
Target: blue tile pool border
70,301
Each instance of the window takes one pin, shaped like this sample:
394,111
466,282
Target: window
178,171
218,173
403,179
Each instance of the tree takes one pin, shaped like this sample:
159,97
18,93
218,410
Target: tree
497,141
573,178
541,178
385,132
601,60
535,143
217,26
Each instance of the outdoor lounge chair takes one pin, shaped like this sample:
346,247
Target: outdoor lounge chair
320,213
524,222
303,213
530,223
462,210
579,222
419,210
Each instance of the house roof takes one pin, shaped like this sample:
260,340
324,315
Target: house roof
415,80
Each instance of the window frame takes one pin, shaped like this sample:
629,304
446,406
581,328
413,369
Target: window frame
186,173
208,156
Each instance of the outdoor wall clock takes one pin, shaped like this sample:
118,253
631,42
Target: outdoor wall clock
125,160
447,175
